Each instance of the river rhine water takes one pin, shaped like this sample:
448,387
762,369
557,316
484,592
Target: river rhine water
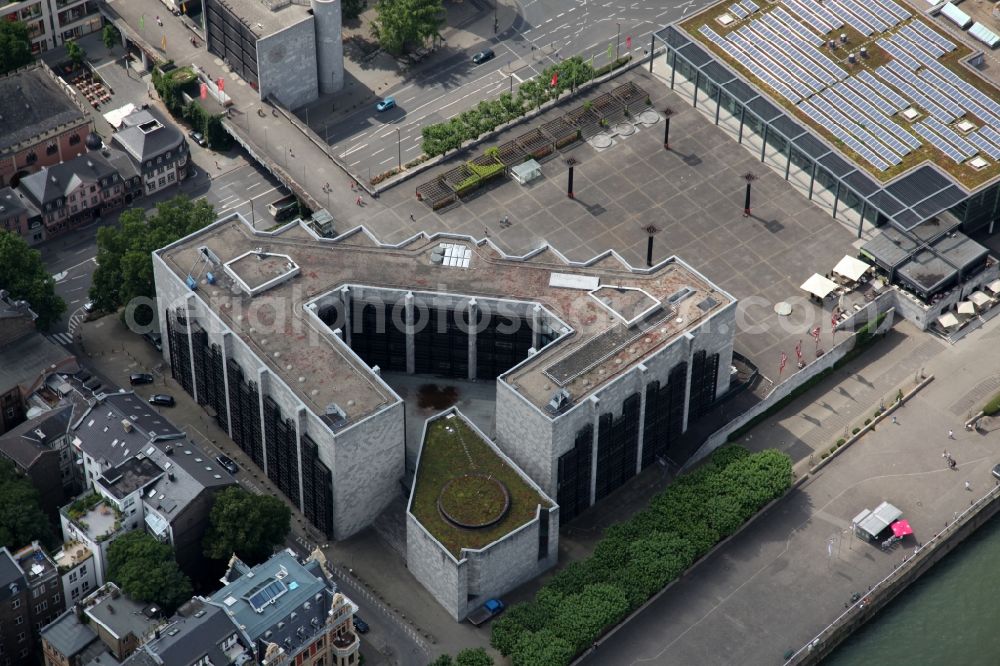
950,616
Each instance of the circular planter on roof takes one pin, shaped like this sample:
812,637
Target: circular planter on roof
474,501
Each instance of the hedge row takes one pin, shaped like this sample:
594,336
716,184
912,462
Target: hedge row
639,557
469,125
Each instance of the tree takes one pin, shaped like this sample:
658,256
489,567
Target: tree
473,657
75,53
111,37
124,253
246,524
541,647
443,660
400,23
145,570
21,517
25,277
15,46
352,8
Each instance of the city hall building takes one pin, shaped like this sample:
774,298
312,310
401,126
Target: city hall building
875,112
284,338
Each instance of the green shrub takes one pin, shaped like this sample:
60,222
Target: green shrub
993,406
855,431
638,557
868,421
841,441
833,449
824,456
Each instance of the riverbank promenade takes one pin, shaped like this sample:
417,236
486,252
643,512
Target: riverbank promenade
775,586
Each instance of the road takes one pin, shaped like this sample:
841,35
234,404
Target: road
544,33
242,187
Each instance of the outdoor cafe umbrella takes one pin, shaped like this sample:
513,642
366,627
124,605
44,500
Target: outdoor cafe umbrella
819,286
901,528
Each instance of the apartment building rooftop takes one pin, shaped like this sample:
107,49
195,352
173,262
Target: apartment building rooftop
33,102
265,17
609,315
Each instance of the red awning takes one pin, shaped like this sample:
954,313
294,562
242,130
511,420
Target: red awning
901,528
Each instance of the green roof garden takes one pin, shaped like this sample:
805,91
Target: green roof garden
466,494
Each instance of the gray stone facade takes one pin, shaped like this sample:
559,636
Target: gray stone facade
286,64
366,458
461,585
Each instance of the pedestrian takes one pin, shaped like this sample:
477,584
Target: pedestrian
946,454
358,201
352,186
894,421
412,219
217,164
951,434
968,486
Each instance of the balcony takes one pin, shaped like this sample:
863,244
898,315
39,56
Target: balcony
71,555
344,643
93,517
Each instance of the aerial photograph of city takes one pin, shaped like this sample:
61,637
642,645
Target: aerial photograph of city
499,332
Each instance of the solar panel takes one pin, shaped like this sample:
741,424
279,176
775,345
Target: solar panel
866,92
898,55
730,50
782,59
914,94
806,47
773,69
984,146
851,20
952,136
991,134
881,12
926,44
849,106
968,103
880,117
866,16
894,9
841,134
826,102
749,6
798,56
822,13
738,11
796,27
938,142
809,17
899,101
934,36
928,91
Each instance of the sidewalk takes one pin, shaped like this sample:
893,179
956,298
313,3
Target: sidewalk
775,586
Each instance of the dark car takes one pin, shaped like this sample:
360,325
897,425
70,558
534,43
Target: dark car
154,339
360,625
138,378
198,138
996,471
228,463
161,399
483,56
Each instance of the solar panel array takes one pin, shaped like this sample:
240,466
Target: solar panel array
783,51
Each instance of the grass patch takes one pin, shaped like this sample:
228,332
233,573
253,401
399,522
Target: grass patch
452,450
993,406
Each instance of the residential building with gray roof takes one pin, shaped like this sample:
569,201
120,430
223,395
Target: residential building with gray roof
157,147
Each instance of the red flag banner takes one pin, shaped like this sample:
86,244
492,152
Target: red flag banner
204,91
784,360
833,320
555,79
222,84
815,333
798,350
628,42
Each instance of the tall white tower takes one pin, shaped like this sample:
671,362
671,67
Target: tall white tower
329,45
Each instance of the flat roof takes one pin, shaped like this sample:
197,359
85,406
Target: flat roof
320,373
259,17
453,449
783,49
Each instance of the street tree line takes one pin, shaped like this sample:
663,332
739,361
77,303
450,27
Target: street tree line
638,557
554,80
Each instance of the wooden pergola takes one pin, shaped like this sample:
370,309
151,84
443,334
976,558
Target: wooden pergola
609,108
535,144
436,194
511,154
635,99
585,120
561,132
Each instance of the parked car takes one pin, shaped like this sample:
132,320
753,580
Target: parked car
88,306
154,339
227,463
198,138
996,471
137,378
360,625
161,399
386,104
486,612
483,56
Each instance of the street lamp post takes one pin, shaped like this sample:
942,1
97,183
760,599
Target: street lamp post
651,230
571,162
749,177
618,40
667,113
399,152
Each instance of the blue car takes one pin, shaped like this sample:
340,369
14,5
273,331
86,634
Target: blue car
386,104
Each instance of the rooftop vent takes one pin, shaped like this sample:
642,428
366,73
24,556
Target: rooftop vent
335,416
679,295
560,400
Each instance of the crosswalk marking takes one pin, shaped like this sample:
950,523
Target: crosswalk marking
61,338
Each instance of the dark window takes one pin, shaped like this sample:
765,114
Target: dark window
31,158
704,379
617,447
573,493
51,149
543,534
75,139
